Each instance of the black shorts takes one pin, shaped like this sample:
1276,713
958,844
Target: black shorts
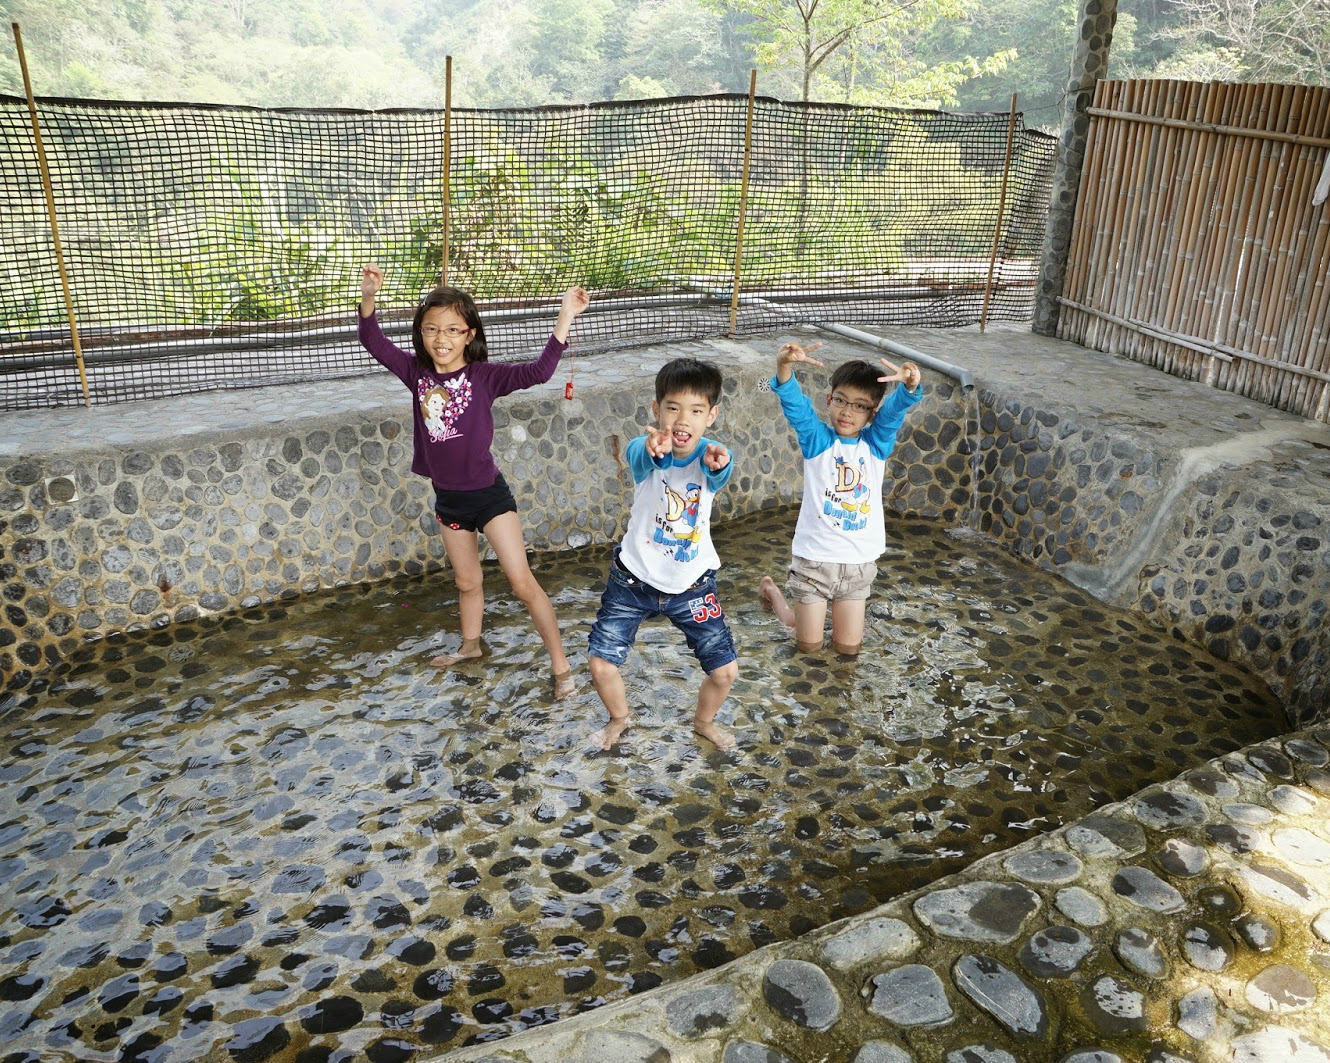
472,510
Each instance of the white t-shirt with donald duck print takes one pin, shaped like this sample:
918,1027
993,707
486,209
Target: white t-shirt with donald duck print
840,518
668,541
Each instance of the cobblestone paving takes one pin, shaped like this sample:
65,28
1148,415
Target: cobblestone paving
278,836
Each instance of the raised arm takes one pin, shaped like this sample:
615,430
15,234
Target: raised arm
371,280
575,300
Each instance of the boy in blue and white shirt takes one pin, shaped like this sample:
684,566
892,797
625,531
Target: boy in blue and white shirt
840,533
666,563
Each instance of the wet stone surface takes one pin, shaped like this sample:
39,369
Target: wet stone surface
281,836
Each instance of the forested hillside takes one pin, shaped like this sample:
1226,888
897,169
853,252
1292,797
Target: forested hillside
960,54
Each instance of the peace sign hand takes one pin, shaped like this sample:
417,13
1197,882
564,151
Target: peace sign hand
795,352
716,457
906,373
659,442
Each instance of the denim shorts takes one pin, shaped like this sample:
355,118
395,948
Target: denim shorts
829,581
628,601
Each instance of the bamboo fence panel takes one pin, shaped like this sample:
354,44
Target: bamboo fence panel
1195,245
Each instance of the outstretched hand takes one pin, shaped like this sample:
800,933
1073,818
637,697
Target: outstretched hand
575,300
716,457
906,373
659,442
371,280
796,352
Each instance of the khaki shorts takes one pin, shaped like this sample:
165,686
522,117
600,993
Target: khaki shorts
829,581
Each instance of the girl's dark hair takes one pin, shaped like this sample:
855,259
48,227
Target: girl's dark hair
861,375
459,301
690,376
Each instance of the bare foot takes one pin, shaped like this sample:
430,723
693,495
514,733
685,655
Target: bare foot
609,734
564,686
715,734
447,660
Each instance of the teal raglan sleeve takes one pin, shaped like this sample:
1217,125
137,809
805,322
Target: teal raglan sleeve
718,479
641,462
813,433
880,435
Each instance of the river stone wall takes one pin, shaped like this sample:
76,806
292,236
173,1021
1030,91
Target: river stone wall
150,513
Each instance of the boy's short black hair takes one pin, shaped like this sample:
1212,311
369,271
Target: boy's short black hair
861,375
689,375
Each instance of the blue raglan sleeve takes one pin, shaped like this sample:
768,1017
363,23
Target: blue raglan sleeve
643,463
813,434
717,480
880,435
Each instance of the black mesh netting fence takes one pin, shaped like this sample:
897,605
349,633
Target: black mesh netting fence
212,246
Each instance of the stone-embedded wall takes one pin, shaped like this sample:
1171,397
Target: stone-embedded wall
1223,543
1226,544
98,540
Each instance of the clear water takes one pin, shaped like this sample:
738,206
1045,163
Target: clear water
282,836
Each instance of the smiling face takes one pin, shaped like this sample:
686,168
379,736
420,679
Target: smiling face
685,415
850,409
445,335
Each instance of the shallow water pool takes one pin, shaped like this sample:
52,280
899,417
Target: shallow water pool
282,836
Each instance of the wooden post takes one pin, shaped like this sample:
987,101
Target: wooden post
1001,211
743,202
50,213
447,160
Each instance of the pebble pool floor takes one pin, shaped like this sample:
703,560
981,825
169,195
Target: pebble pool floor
279,835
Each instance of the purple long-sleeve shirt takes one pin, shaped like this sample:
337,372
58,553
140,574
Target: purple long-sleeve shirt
454,416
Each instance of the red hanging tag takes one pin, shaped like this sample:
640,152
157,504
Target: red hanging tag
568,390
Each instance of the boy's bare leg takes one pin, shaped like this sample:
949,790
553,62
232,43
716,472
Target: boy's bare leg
847,625
711,696
809,620
504,533
464,557
608,681
774,601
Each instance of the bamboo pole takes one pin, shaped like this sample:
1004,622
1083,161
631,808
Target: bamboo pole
1220,257
743,202
1001,212
1269,183
1207,197
1246,197
1116,279
1147,211
447,162
1099,229
1308,250
49,190
1220,351
1289,208
1223,130
1170,283
1073,326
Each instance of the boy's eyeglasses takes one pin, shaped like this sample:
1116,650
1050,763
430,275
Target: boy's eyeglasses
452,331
839,403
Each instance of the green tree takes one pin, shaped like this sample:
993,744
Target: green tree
871,41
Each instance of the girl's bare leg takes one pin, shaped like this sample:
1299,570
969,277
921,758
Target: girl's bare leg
504,533
464,557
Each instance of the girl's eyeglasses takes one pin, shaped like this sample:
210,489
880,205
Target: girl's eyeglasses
452,331
858,407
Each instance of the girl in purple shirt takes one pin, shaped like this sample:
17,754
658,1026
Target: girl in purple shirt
454,386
